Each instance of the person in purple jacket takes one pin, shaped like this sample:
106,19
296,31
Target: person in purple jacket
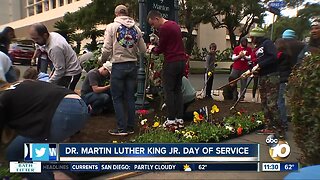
171,45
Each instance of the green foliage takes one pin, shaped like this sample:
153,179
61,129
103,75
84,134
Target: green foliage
5,174
233,14
299,25
93,62
304,94
221,56
158,135
64,29
225,55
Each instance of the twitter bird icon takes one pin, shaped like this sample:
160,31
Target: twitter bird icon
40,152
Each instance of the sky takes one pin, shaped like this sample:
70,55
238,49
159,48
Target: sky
286,12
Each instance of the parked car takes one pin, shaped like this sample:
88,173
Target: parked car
21,51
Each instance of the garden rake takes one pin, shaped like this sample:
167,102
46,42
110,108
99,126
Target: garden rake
242,93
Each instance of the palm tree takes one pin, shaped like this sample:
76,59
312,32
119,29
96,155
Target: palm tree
64,29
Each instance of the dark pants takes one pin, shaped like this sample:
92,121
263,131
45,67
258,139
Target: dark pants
269,91
69,82
98,101
43,65
172,82
255,86
209,85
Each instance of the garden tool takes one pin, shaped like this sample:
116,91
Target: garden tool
146,79
242,93
201,94
231,82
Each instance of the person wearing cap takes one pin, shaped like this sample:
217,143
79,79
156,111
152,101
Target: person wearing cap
288,50
122,42
38,112
313,46
171,46
241,57
267,70
67,69
95,91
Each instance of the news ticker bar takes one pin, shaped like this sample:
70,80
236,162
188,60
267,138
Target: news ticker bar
115,152
38,167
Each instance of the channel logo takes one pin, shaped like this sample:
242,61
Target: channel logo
279,149
40,152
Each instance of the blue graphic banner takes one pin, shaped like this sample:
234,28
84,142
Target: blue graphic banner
112,167
158,152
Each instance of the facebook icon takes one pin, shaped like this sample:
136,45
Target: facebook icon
40,152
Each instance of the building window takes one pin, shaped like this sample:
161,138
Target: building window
30,2
31,11
69,1
46,5
39,6
61,2
54,4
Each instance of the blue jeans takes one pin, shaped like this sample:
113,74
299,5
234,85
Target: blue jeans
282,104
69,118
44,65
123,83
98,101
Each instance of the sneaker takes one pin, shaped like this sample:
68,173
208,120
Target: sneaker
265,131
130,130
180,123
118,132
169,123
253,100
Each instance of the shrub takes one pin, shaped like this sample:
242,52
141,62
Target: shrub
304,99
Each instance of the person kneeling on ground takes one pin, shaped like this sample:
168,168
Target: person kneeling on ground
230,92
32,73
38,112
94,90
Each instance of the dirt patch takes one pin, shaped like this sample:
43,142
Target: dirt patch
96,129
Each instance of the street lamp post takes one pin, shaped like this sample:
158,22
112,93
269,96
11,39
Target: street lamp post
141,102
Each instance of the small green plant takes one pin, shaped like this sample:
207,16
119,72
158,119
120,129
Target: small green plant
5,174
93,62
304,98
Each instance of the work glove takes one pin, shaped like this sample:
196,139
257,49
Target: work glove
255,68
150,48
246,74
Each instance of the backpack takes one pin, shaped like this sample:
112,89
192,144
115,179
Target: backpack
127,37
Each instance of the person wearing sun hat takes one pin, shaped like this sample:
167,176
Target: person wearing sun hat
94,90
267,70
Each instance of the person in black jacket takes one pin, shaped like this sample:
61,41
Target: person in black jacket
288,49
267,68
39,112
313,47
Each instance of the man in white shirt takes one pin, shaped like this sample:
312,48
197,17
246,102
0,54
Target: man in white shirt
67,69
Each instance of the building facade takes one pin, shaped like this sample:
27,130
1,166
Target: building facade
20,14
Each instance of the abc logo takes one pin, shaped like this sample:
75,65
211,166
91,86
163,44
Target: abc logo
279,150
